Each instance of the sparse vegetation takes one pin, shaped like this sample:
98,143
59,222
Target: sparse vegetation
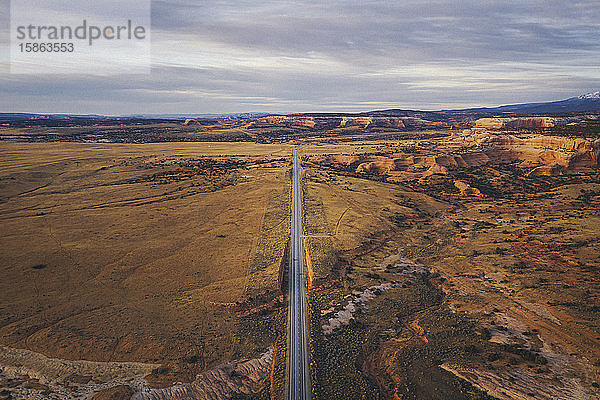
182,247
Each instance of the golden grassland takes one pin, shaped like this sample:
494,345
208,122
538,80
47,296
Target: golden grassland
108,257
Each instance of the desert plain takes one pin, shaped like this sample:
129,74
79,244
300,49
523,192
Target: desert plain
450,260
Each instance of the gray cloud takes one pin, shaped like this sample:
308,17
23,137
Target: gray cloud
284,56
433,30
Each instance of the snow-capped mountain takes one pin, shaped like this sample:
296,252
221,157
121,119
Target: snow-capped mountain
587,102
592,96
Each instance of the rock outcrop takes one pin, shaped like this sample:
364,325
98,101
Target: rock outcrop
36,376
540,150
346,314
358,121
285,120
547,170
516,123
524,122
535,154
376,165
466,189
241,377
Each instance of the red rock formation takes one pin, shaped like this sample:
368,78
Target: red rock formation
466,189
436,169
376,165
308,122
572,153
525,122
390,122
358,121
403,163
489,123
475,159
547,170
516,123
557,155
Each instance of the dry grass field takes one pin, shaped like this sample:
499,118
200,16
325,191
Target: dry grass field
141,253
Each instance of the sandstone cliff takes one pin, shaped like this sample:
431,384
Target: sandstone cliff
524,122
536,154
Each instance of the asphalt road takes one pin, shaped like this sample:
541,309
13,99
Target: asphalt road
298,377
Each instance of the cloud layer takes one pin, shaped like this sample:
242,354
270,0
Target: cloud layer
288,56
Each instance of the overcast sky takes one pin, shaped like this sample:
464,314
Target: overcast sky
352,55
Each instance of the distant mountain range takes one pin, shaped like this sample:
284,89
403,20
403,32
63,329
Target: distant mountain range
36,116
203,116
586,103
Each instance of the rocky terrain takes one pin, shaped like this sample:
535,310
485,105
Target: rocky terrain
333,122
486,243
534,154
241,377
517,123
29,375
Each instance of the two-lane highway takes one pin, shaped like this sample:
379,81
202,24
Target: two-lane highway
298,376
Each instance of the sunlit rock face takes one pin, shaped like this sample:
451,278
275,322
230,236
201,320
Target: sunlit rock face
538,155
524,122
